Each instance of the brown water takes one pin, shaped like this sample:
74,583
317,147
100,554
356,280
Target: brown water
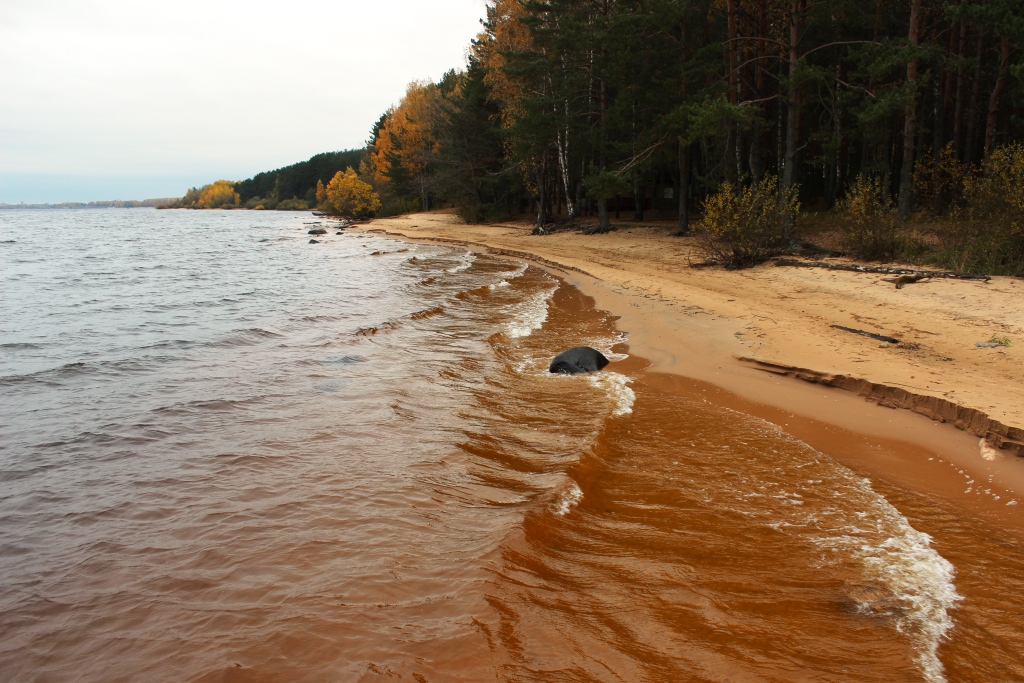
247,458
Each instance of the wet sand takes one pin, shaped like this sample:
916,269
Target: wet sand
748,339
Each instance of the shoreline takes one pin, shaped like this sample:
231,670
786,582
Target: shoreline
713,328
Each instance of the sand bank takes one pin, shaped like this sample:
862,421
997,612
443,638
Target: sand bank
762,340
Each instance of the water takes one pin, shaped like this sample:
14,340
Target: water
228,454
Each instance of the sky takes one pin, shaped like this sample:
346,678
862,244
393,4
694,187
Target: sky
115,99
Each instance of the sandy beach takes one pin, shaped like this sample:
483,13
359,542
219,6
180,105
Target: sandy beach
933,413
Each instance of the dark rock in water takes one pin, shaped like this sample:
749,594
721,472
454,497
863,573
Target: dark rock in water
578,359
314,241
339,233
317,231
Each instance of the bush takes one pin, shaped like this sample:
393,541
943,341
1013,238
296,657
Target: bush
986,233
869,223
745,226
218,195
350,196
292,204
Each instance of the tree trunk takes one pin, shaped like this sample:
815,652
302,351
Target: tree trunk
792,110
958,112
733,139
993,101
972,113
603,224
910,119
757,147
683,227
542,217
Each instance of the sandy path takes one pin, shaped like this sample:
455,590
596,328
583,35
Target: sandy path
701,322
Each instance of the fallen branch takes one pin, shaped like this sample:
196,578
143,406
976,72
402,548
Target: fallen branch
879,337
857,268
905,279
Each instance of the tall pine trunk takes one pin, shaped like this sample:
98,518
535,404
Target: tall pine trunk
683,227
792,111
993,100
958,112
910,119
972,112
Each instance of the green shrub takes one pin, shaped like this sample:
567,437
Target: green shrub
869,223
292,204
743,226
986,233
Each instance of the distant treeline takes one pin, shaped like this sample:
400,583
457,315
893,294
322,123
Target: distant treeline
111,204
298,181
292,187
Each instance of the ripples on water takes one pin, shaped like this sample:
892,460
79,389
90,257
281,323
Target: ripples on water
232,455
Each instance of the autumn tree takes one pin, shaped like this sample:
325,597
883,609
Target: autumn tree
350,196
218,195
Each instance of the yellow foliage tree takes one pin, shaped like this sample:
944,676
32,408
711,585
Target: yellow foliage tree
404,146
509,34
350,196
218,195
321,191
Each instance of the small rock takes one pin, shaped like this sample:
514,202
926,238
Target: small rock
317,231
314,241
987,345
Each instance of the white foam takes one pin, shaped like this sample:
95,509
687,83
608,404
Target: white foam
518,272
467,260
902,578
916,582
605,347
528,315
568,499
616,387
988,452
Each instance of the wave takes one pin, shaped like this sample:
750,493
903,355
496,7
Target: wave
20,346
616,387
528,315
371,330
343,360
246,337
464,264
427,313
56,376
567,499
904,579
332,385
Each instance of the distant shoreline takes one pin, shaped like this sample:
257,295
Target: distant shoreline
104,204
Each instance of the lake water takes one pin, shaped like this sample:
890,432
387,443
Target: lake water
231,455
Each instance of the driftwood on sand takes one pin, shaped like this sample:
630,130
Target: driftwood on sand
879,337
887,270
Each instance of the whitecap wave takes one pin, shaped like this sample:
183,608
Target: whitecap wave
568,499
616,387
528,315
905,578
464,263
899,576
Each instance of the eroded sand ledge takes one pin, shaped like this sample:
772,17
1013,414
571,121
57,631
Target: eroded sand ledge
728,327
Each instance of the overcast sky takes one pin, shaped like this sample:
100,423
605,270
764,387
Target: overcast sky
117,99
